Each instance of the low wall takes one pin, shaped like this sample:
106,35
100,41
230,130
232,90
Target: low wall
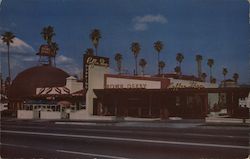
24,114
226,120
50,115
78,115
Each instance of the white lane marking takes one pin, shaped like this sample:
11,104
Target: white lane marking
13,145
76,123
71,152
91,154
128,139
133,132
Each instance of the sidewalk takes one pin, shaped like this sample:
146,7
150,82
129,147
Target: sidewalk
145,122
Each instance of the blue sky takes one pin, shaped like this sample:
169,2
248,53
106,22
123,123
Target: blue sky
215,29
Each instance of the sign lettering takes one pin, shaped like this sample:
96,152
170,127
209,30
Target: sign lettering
91,61
131,85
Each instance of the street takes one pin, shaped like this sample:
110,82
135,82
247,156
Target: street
47,139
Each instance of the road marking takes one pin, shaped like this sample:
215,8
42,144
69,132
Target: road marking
128,139
71,152
133,132
13,145
91,154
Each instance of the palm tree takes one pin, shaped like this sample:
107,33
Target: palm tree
210,63
161,65
89,51
179,59
142,63
47,34
158,45
54,48
177,69
198,59
135,48
236,77
213,80
203,77
118,59
7,38
224,72
95,36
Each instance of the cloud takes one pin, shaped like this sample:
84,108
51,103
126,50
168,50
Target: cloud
141,22
22,56
68,64
17,47
61,59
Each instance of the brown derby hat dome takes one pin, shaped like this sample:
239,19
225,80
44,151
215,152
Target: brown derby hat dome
26,82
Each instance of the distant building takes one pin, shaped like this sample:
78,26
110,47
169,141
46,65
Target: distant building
229,83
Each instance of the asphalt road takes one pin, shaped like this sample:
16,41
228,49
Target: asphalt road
44,139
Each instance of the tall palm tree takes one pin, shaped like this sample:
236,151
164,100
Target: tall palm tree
177,70
47,34
210,63
54,48
118,59
135,48
179,59
236,77
224,72
142,63
161,65
203,77
158,45
89,51
198,59
95,36
7,38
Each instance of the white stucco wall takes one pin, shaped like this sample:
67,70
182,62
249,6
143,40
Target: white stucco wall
187,83
24,114
114,82
50,115
95,81
73,85
245,102
212,99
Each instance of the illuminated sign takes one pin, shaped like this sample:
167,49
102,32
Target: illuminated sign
192,85
45,50
91,61
98,61
178,84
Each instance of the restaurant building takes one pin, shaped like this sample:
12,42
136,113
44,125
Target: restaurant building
154,97
48,92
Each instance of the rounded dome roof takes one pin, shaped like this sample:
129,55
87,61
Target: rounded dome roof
26,82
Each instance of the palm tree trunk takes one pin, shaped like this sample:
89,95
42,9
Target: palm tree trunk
96,50
158,63
135,65
180,68
9,62
50,61
210,74
55,61
119,68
